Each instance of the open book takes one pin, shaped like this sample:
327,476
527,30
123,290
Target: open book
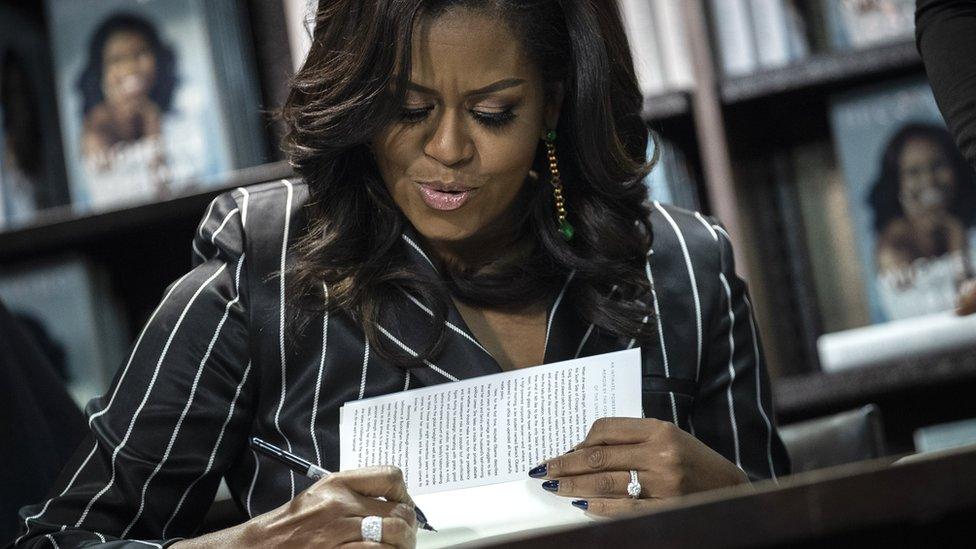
466,447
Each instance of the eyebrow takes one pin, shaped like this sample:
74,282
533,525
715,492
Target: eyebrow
497,86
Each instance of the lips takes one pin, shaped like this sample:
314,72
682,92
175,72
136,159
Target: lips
444,196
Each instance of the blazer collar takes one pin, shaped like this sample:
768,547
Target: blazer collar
462,356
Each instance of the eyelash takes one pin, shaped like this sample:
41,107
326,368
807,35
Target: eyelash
489,120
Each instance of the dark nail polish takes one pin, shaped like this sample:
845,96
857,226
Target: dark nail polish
581,504
551,485
539,471
570,451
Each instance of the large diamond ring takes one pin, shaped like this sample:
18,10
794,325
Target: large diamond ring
634,487
372,529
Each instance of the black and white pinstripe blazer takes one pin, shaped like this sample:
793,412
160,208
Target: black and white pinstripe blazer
213,366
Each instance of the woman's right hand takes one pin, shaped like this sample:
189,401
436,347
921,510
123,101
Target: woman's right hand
329,514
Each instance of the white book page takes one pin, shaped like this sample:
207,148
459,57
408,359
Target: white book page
490,429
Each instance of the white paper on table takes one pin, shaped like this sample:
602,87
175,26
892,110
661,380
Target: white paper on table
465,447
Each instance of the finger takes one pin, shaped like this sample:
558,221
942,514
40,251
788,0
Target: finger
621,457
622,430
611,508
384,481
366,545
609,484
362,506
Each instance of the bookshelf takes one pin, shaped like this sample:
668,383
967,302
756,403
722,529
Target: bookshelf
720,124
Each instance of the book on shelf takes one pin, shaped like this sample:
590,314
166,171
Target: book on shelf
856,24
158,98
465,448
300,22
66,304
912,204
752,35
671,180
658,37
31,170
944,436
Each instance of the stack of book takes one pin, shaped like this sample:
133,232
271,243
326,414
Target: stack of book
882,229
756,35
657,32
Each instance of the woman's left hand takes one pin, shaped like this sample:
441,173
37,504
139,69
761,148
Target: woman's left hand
669,462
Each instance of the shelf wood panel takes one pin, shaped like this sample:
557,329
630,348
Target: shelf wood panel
63,231
666,105
821,71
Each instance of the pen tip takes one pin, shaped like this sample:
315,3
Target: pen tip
426,526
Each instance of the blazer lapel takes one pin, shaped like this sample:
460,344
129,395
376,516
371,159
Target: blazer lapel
461,355
568,336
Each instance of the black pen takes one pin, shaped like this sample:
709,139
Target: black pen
313,471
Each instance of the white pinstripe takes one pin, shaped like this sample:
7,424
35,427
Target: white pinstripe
406,383
318,378
694,282
552,314
660,334
254,480
213,453
189,400
362,382
100,537
213,237
203,223
413,353
281,328
710,229
419,251
54,543
769,427
589,330
246,197
758,358
728,390
145,397
723,231
449,324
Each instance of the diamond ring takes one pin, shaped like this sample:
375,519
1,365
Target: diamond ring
634,487
372,529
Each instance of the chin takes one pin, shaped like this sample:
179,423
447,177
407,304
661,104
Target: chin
442,230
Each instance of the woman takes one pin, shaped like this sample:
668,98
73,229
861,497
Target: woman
923,202
126,88
431,239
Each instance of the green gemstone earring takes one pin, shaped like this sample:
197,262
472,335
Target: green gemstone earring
565,229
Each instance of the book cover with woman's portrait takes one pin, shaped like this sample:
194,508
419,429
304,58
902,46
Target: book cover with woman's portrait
912,198
146,114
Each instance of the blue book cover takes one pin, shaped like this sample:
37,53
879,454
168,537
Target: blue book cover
912,198
66,305
145,114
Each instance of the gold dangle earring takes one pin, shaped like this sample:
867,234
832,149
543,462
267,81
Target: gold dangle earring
565,229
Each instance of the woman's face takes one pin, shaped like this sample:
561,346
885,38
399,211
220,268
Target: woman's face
129,67
927,182
473,118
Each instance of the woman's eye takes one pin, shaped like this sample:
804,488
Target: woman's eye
413,116
488,119
495,119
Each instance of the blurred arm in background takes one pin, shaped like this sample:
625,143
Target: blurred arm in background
945,34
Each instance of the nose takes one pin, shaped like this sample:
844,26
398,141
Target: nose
450,143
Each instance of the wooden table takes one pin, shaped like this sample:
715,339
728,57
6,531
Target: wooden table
923,503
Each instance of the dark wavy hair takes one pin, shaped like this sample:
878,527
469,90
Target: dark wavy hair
90,81
883,198
352,86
